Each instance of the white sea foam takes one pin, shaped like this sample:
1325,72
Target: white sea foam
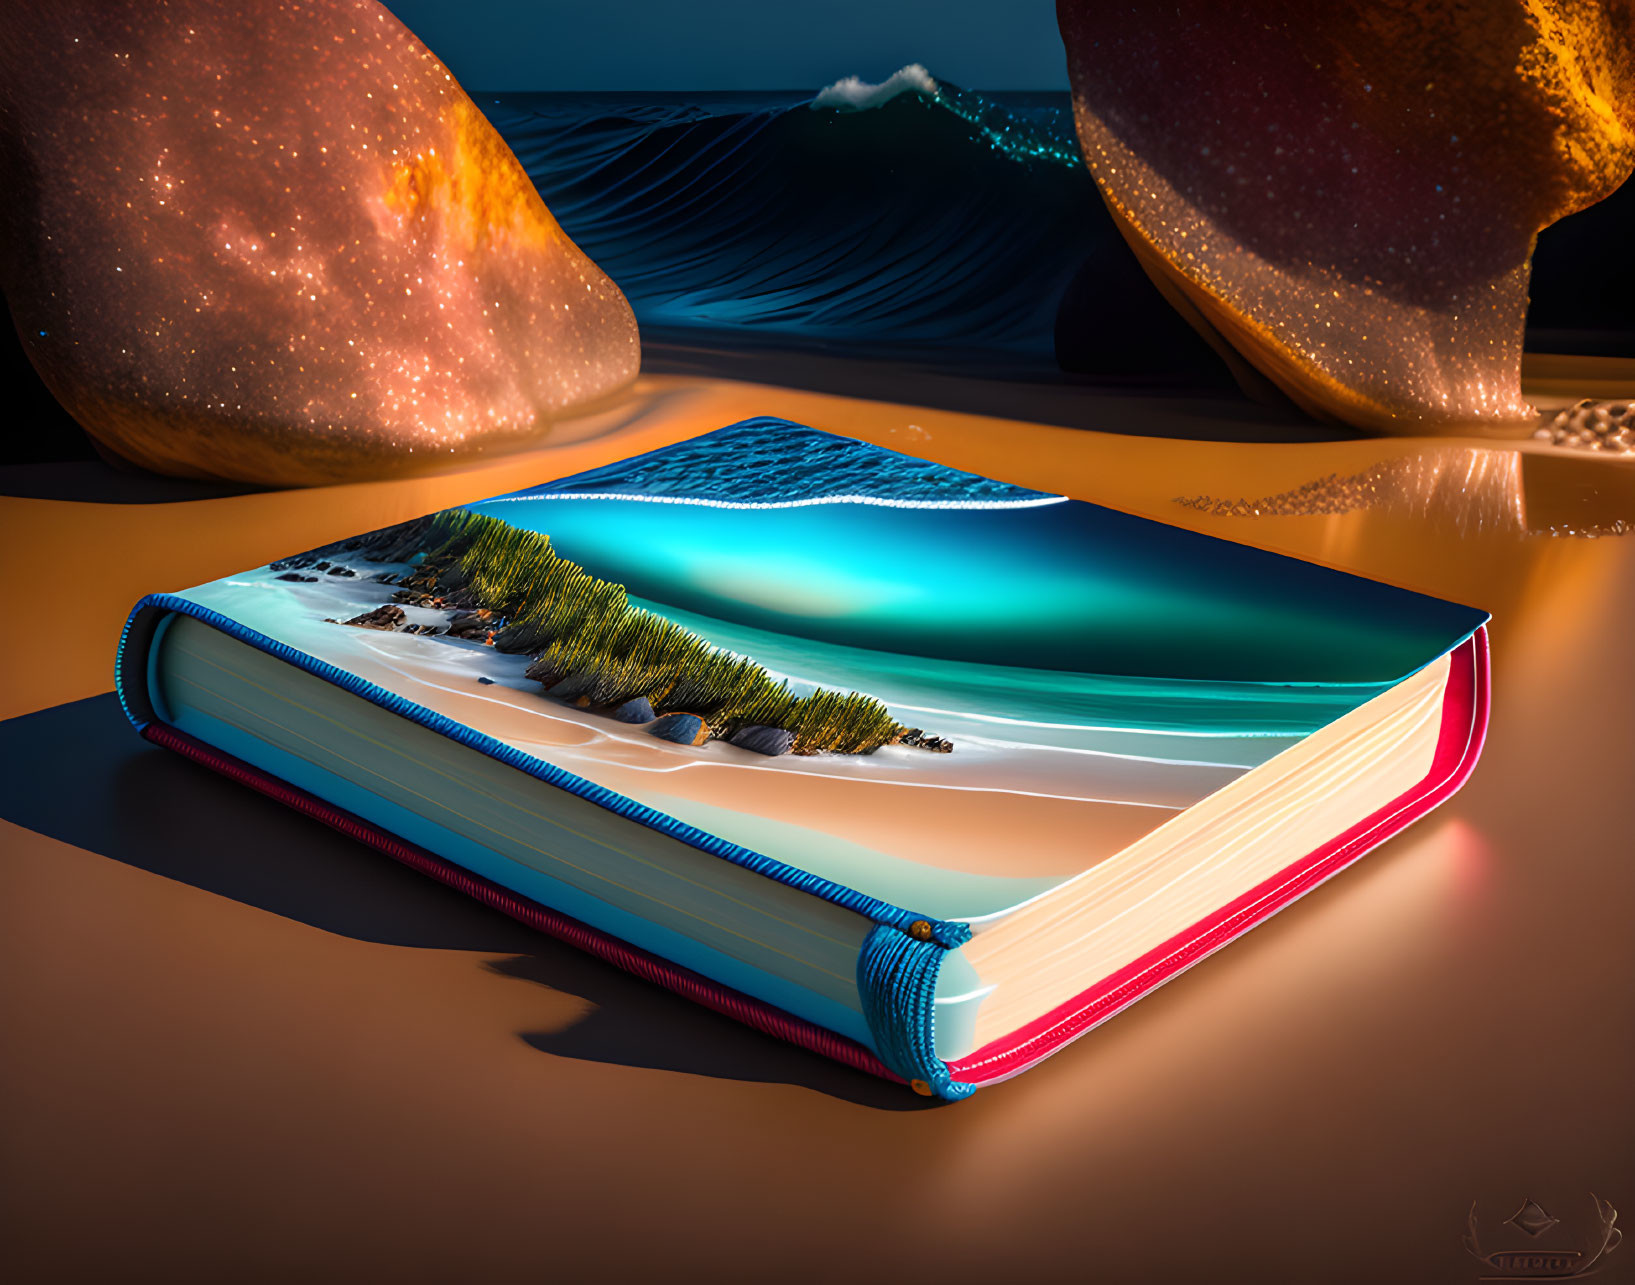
854,94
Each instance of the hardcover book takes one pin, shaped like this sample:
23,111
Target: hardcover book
922,771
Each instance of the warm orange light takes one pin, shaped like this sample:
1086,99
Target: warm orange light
283,246
1346,193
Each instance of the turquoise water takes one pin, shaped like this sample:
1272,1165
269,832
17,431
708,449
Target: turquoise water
1058,586
933,221
840,563
1241,724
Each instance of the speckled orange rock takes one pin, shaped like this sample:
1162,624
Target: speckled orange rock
1346,192
278,243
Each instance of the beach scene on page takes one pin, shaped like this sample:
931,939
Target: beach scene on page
923,683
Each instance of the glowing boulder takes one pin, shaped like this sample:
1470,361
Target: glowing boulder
1345,192
279,244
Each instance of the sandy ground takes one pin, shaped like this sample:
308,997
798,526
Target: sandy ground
238,1047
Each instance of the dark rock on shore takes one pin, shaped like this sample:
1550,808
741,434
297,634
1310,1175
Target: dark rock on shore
384,577
764,740
915,738
570,688
342,571
387,617
438,576
540,671
298,578
635,710
485,680
513,641
683,729
478,626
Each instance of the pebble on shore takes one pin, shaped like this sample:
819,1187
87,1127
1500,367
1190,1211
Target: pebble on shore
1592,426
764,740
683,729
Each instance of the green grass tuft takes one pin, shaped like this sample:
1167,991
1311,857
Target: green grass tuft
849,723
584,630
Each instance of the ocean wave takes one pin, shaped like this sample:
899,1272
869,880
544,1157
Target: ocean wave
914,218
856,94
767,462
941,221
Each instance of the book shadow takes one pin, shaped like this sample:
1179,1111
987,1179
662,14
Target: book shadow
78,773
714,1045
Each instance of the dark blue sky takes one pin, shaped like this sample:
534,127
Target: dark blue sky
737,44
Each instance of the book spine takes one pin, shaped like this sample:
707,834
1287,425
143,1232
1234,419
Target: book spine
897,979
897,966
